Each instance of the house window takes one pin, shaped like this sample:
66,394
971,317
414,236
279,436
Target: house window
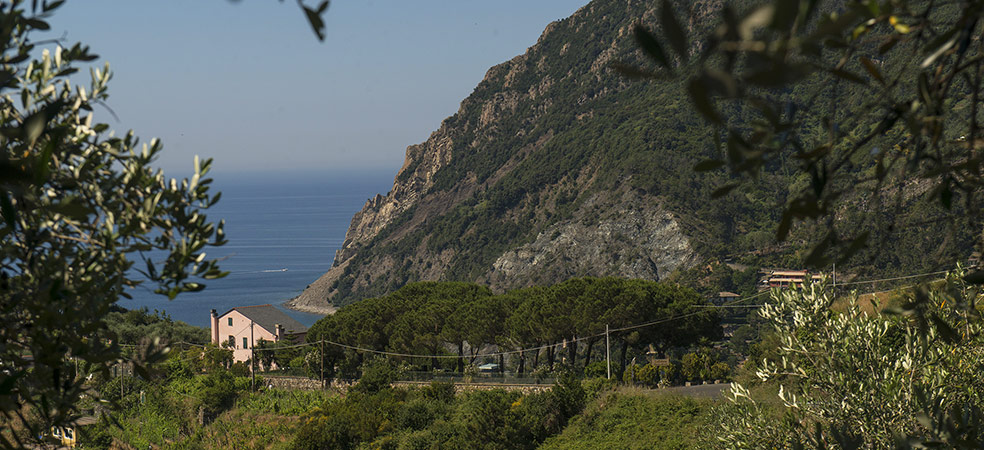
245,343
232,341
230,321
69,434
56,432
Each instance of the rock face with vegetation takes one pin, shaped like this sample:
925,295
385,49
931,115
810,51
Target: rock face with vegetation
558,166
530,182
628,236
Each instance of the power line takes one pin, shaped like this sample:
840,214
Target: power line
731,304
727,306
893,279
306,344
574,340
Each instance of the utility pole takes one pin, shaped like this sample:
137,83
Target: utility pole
121,379
252,356
608,353
322,363
835,275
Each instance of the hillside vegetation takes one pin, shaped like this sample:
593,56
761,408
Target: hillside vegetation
558,166
524,331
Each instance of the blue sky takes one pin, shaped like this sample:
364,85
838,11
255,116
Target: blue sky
248,84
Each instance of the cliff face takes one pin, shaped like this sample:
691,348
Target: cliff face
416,176
633,238
545,172
557,167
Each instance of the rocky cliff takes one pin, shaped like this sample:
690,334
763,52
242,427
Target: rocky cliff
541,175
557,166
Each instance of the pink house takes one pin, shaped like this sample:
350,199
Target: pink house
243,326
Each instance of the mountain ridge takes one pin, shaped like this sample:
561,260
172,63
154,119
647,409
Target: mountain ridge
557,166
516,104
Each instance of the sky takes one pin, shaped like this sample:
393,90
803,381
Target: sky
248,83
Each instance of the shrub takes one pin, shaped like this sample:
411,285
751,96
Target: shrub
720,371
440,391
648,375
596,369
240,369
419,413
216,391
377,374
841,377
696,366
593,387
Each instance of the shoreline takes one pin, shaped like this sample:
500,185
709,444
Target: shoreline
295,305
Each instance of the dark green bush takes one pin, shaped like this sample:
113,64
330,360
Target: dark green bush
377,374
441,391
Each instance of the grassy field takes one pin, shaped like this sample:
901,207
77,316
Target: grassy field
633,418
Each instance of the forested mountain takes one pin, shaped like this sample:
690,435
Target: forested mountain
559,166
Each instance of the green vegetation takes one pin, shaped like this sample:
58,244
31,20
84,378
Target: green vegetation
819,375
194,401
543,327
876,101
189,386
637,419
593,132
433,417
849,378
197,398
83,210
136,325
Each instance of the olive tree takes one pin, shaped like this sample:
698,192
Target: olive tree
85,217
853,380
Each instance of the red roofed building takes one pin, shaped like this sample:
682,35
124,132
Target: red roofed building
789,278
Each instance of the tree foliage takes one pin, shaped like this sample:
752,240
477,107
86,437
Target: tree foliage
85,216
434,417
133,326
876,101
847,380
563,324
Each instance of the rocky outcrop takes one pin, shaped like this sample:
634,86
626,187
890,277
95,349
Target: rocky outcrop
415,177
556,166
509,191
632,239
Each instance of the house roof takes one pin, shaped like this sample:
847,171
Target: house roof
789,273
268,316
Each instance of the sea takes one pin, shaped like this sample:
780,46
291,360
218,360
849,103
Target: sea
283,231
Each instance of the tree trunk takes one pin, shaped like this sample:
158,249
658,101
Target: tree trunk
587,353
550,357
461,352
434,359
625,349
522,363
572,352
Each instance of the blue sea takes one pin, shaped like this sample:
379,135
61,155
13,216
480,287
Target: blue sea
283,231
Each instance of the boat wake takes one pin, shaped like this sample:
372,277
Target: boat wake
260,271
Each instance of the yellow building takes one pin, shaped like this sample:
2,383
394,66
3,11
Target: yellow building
66,435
